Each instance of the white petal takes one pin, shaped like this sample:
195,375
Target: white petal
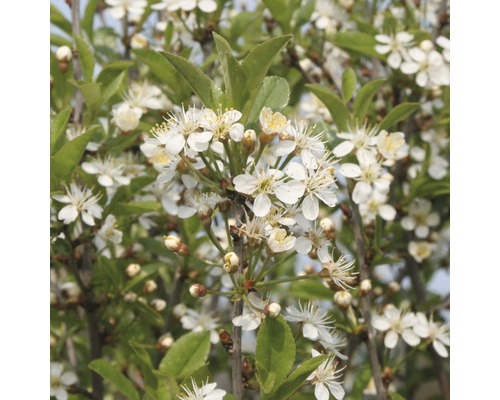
343,148
440,349
350,170
290,192
337,390
246,184
408,223
62,198
409,67
380,323
174,143
383,38
303,245
422,79
68,213
56,369
207,6
185,212
410,337
310,207
321,392
117,12
361,192
387,212
68,378
391,339
105,180
87,218
329,198
394,60
310,331
261,205
284,147
422,231
89,168
296,171
382,48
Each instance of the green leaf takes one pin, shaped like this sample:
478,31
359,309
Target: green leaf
58,19
395,396
200,377
348,84
86,57
91,92
333,103
114,87
68,156
167,384
282,11
229,396
398,113
136,208
298,377
125,193
88,18
234,77
265,378
148,314
275,350
303,13
201,84
113,375
360,42
145,364
146,272
364,97
274,93
186,355
58,129
162,69
310,289
256,64
59,41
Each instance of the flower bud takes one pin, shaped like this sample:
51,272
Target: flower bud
328,228
309,269
172,243
150,286
426,45
70,290
130,297
249,141
179,310
139,41
64,54
377,291
183,250
394,287
158,305
205,215
231,262
197,290
165,341
342,298
272,310
365,287
132,270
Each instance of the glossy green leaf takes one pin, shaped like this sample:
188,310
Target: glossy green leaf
136,208
59,20
360,42
68,156
148,314
186,355
199,376
88,18
58,129
145,364
282,11
348,84
201,84
338,110
116,84
256,64
59,41
114,376
298,377
303,13
364,97
310,289
91,92
275,350
395,396
234,77
398,113
274,93
85,56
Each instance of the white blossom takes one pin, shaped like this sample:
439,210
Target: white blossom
396,323
201,321
311,318
79,201
436,332
119,8
60,380
420,218
325,380
207,391
126,117
420,250
396,45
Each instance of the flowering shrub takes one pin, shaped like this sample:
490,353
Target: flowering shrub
229,181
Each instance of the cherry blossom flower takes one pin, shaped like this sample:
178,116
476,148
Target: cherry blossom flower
312,319
428,64
420,250
60,380
119,8
376,205
279,241
207,6
325,380
396,323
360,140
79,201
420,218
436,332
201,321
107,234
396,45
338,272
222,126
207,391
109,172
126,117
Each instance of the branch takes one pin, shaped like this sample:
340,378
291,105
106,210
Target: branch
77,69
366,306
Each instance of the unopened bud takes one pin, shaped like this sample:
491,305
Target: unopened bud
380,104
150,286
183,250
132,270
165,341
365,287
205,215
272,310
179,310
64,54
394,287
139,41
378,291
328,228
197,290
342,298
266,138
231,262
426,45
172,243
130,297
309,269
158,305
249,141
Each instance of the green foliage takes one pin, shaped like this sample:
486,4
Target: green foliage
364,97
398,113
58,19
113,375
274,94
359,42
349,82
186,355
274,353
58,129
85,56
338,110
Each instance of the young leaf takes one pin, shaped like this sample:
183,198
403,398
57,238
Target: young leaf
333,103
114,87
348,84
298,377
58,19
398,113
234,77
255,66
364,97
274,93
58,129
113,375
275,350
88,18
201,84
136,208
67,158
186,355
86,57
359,42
